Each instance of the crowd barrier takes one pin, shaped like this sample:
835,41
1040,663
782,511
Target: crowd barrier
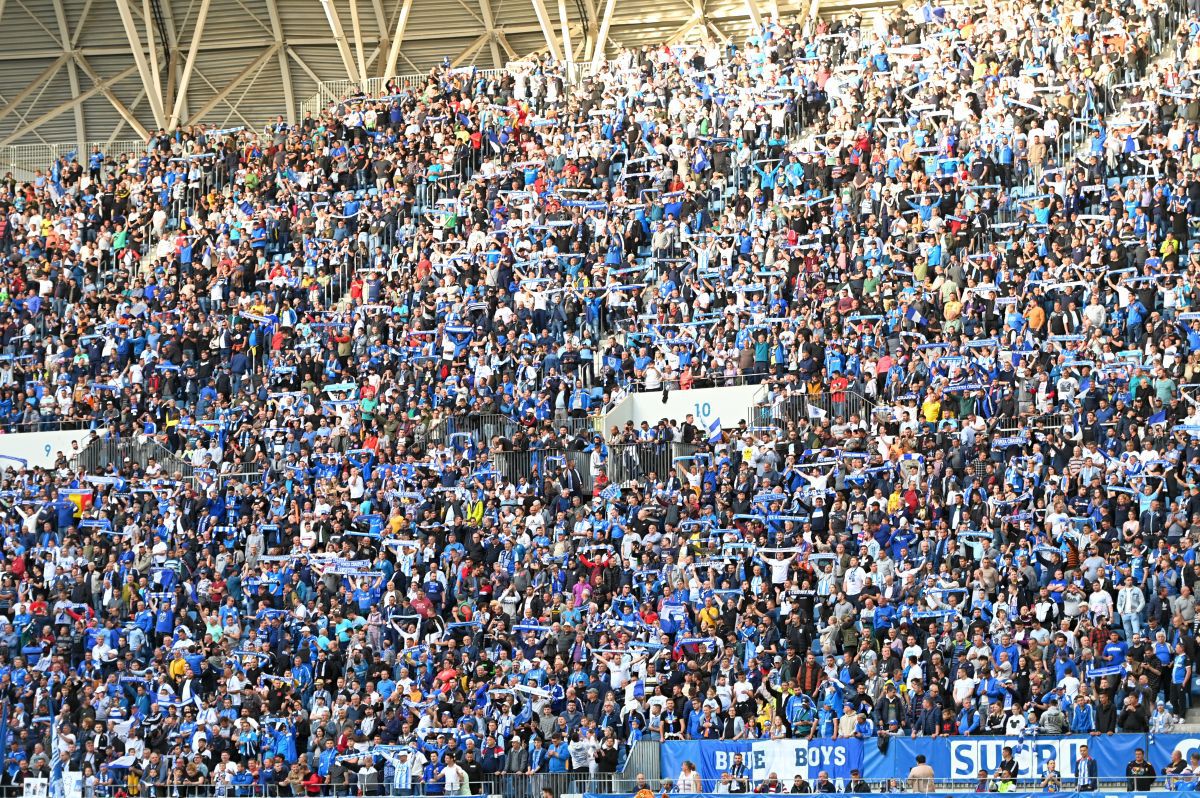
641,461
101,452
952,758
1031,794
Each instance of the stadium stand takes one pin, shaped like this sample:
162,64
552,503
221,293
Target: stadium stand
345,514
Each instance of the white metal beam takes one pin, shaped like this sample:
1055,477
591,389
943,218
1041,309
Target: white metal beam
220,96
152,56
397,38
508,48
285,71
385,34
685,29
813,8
543,17
173,63
356,29
62,108
118,106
305,67
468,53
589,37
602,37
132,107
752,8
489,24
231,105
236,106
568,51
79,23
139,58
339,38
64,34
23,117
189,66
43,76
37,19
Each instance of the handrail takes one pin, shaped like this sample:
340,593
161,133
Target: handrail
27,158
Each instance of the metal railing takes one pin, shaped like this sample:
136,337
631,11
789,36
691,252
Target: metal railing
641,461
833,406
332,92
515,785
52,425
526,785
457,429
644,758
245,474
101,452
1042,422
536,465
24,159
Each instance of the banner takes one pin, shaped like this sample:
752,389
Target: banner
1161,746
783,758
963,757
1163,793
957,758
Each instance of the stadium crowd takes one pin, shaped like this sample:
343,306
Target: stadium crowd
954,248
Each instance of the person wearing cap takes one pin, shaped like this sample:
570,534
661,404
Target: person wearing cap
857,784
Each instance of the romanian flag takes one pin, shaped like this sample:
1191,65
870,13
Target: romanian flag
80,497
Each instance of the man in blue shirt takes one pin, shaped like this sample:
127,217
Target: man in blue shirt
558,754
1181,680
1114,650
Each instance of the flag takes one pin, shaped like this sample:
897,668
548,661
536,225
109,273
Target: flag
714,431
245,207
82,499
1111,670
56,757
912,315
611,493
816,412
1158,418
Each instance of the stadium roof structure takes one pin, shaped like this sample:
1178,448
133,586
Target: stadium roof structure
77,72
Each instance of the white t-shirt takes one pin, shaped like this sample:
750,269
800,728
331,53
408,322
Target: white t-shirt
456,779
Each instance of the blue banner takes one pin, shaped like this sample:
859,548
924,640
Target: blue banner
957,758
963,757
1164,793
1161,746
762,758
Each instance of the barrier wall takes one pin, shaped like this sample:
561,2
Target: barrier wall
952,758
730,404
1067,794
41,448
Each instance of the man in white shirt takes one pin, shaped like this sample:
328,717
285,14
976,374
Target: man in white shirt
456,780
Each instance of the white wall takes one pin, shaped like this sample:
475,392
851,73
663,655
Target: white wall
730,405
40,448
